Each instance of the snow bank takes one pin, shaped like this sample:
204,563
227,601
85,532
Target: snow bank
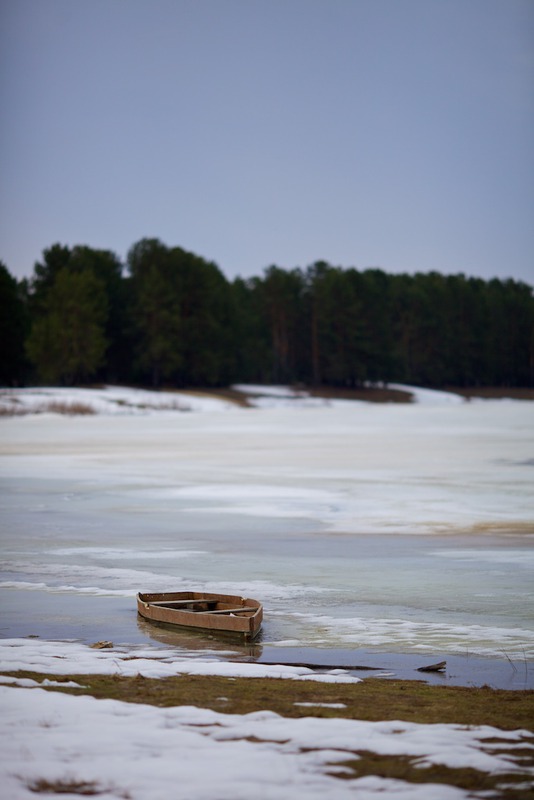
273,396
145,753
67,658
125,400
106,400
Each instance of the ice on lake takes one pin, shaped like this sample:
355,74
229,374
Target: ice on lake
393,528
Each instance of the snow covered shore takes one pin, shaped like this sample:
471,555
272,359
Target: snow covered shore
119,750
64,658
118,400
125,400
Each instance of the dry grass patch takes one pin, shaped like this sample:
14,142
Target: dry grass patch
86,788
12,411
371,394
373,699
72,786
72,409
507,786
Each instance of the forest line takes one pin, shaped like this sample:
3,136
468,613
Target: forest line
169,317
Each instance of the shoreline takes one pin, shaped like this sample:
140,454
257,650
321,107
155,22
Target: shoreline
370,699
96,618
467,671
401,736
511,673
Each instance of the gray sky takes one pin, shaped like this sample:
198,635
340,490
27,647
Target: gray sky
390,133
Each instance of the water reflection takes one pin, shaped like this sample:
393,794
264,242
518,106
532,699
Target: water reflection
199,641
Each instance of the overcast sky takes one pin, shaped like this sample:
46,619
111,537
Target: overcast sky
390,133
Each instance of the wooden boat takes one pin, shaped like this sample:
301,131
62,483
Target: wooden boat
216,613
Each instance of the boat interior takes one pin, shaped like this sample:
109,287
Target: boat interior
204,605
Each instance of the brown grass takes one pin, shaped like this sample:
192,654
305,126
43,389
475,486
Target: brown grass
72,786
85,788
368,394
372,699
71,409
12,411
509,786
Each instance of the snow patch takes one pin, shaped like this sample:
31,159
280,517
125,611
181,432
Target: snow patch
145,753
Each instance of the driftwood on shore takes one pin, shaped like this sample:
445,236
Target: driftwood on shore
438,667
315,666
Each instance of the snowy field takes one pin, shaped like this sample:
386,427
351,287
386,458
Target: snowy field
118,750
107,400
376,529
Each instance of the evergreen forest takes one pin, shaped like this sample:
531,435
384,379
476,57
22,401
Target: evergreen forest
168,317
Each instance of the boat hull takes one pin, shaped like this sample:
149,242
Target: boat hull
216,613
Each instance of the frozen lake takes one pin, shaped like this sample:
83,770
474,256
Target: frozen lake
394,529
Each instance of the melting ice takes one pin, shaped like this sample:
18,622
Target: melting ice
401,528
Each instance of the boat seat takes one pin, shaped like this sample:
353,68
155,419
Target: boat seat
176,603
229,610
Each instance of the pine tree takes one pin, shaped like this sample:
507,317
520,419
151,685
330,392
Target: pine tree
67,343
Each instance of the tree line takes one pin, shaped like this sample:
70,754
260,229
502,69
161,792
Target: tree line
169,317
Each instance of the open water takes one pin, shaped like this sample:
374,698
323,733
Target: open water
384,532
